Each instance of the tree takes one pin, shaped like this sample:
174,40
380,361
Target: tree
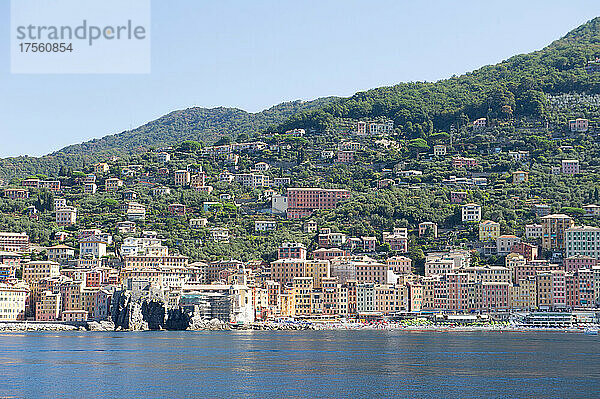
225,140
190,146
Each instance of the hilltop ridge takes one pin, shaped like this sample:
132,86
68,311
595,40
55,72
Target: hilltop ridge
521,83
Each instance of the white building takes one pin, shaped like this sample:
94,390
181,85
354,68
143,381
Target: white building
197,223
93,246
59,203
471,213
145,246
265,225
13,299
533,231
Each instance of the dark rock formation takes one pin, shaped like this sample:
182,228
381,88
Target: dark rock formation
153,312
178,319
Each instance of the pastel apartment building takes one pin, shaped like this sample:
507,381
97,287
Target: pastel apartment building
428,229
462,162
49,306
489,230
60,253
528,251
90,188
345,156
303,201
399,264
520,177
265,225
182,178
14,242
505,244
112,184
219,234
261,167
471,213
373,128
570,166
458,197
101,168
554,229
397,239
16,193
533,231
66,216
582,240
579,125
439,150
252,180
328,253
13,300
92,246
577,262
291,250
198,180
52,185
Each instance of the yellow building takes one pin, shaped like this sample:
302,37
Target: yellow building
302,293
523,296
520,176
317,270
489,231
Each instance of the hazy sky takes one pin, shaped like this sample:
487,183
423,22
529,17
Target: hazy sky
254,54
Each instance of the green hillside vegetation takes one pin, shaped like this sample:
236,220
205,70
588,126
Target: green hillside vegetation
515,88
527,101
199,124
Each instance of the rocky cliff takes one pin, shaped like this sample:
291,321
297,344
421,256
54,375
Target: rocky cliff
152,313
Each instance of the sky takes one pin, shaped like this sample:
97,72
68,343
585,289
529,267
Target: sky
255,54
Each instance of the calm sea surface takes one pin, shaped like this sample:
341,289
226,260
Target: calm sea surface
299,364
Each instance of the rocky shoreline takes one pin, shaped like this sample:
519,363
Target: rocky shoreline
217,325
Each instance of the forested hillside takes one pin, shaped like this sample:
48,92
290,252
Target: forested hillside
516,87
519,87
198,124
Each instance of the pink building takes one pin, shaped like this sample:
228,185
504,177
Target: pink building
529,251
571,290
345,156
532,268
369,244
399,264
291,250
303,201
585,283
328,253
462,162
576,262
494,296
457,292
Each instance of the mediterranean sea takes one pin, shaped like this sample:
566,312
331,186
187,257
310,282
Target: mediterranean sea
295,364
